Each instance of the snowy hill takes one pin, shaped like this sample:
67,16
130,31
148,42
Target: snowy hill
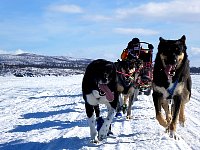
48,113
38,65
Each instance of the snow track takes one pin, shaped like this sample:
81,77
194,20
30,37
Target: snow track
48,113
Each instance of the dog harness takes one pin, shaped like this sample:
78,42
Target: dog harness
172,89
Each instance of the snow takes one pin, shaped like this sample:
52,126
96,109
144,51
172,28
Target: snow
47,113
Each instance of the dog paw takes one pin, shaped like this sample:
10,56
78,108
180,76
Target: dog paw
94,136
182,124
128,117
172,134
102,136
94,141
103,130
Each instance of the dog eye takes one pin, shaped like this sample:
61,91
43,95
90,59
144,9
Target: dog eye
178,51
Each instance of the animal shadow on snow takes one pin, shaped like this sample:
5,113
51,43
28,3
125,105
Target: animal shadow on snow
59,143
72,143
55,96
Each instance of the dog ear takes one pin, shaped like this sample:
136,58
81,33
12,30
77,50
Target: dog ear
161,39
183,39
160,45
109,65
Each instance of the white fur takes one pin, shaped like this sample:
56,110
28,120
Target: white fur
93,131
107,121
94,99
178,89
96,94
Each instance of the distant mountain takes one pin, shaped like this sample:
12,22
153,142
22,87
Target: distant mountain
33,65
27,64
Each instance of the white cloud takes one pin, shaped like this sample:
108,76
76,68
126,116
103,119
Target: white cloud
97,18
195,50
178,9
18,51
64,8
138,31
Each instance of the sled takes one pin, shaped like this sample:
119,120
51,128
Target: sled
143,53
146,71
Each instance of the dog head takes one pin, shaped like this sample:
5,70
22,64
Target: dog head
106,73
126,69
172,54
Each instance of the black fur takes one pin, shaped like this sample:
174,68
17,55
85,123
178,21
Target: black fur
95,72
171,53
99,70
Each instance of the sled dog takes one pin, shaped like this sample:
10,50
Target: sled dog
171,83
98,87
127,75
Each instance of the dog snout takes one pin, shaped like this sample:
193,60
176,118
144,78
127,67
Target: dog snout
171,60
174,59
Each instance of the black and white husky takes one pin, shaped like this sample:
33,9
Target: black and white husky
98,87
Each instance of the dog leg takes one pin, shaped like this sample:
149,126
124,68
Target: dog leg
161,120
125,101
97,111
157,103
91,122
167,111
93,132
107,122
130,107
176,109
120,102
131,98
136,92
182,115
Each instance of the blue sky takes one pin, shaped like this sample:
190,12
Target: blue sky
96,28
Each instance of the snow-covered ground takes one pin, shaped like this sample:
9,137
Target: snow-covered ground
47,113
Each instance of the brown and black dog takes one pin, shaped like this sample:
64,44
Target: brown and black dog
126,79
171,83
